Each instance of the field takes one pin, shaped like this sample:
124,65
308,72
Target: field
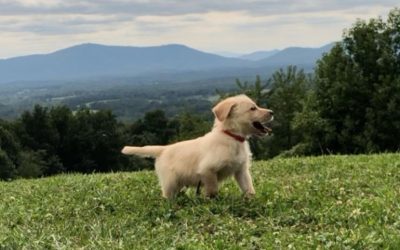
328,202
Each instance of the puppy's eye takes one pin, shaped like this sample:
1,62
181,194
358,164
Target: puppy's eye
253,108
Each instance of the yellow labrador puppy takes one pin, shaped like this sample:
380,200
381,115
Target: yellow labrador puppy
218,154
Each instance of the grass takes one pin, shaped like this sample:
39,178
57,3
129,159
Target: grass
329,202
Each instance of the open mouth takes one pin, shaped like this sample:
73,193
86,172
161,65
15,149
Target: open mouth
262,128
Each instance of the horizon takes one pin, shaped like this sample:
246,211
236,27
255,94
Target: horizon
240,27
221,53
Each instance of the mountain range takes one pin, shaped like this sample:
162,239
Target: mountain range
259,55
87,61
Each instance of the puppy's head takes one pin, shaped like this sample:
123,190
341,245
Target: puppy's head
240,114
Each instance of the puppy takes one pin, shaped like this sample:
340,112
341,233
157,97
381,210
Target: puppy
209,159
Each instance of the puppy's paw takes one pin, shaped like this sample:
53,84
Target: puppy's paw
249,195
212,195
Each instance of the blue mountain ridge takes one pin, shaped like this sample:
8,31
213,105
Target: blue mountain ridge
95,60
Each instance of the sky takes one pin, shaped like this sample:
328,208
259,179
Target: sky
43,26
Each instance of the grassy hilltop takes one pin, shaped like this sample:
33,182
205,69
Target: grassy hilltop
334,202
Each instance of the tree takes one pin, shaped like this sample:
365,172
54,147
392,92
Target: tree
190,126
154,129
310,127
15,162
9,144
287,90
286,96
61,120
258,91
9,154
7,167
37,133
357,86
94,142
31,164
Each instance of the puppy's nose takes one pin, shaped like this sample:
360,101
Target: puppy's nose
271,112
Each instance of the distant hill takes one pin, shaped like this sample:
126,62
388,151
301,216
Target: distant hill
228,54
296,56
259,55
88,61
93,60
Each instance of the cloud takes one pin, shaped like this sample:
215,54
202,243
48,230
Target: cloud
59,24
236,25
179,7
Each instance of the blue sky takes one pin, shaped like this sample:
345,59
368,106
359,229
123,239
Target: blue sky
42,26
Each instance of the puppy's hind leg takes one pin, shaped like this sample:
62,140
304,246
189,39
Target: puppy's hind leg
166,179
169,185
198,189
169,190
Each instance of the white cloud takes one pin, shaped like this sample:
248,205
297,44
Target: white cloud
39,3
32,26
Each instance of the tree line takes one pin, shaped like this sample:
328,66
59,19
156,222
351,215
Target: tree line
48,141
350,104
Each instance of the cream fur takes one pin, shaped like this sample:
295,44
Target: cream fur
213,157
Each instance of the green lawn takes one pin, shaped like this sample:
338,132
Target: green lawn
337,202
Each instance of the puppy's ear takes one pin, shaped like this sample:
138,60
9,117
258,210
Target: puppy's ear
223,109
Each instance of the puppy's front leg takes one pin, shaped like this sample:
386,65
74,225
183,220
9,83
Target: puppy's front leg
210,182
245,182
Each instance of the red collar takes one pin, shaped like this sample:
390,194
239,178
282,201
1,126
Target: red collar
234,136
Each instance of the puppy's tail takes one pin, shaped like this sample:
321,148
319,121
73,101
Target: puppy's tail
146,151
